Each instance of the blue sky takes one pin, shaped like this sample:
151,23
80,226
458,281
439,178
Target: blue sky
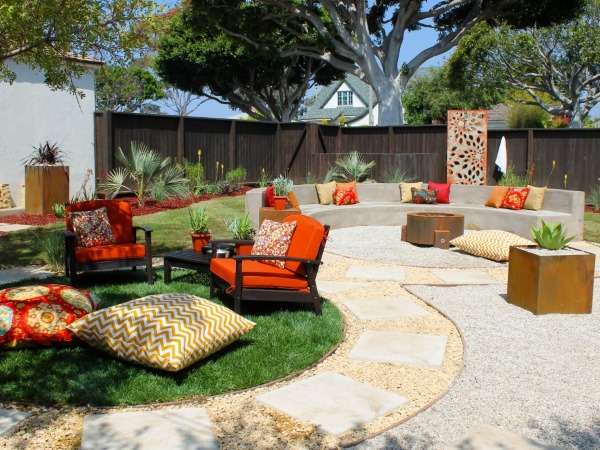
414,42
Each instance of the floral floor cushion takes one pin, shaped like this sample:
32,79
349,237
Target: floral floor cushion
164,331
39,314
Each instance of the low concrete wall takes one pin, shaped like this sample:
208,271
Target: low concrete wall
380,205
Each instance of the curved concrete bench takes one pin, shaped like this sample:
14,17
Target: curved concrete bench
380,205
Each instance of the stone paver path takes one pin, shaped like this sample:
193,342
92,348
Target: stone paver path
422,350
10,418
487,437
17,274
336,287
332,401
464,276
385,308
376,273
173,429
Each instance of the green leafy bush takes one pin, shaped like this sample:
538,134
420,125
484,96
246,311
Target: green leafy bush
52,247
241,228
194,173
526,116
513,179
398,176
59,210
264,179
282,186
352,167
198,220
236,176
550,236
594,197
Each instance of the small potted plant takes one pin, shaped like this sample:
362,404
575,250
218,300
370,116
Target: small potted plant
199,226
550,277
46,179
241,229
282,186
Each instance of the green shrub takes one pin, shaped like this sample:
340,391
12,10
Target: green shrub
399,176
236,176
550,236
194,173
527,116
594,197
198,220
512,179
241,228
59,210
264,179
52,247
352,167
282,186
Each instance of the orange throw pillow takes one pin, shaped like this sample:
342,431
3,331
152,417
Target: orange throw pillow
345,194
497,196
515,198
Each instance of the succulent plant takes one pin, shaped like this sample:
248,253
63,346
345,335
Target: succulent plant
241,228
550,236
282,186
198,220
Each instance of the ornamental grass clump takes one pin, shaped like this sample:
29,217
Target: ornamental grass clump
199,220
551,236
241,228
52,248
352,167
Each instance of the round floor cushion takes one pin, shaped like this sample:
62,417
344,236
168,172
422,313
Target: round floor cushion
39,314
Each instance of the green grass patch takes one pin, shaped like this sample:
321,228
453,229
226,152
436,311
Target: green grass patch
591,230
283,341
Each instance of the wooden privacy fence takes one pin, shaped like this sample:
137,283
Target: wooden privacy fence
306,150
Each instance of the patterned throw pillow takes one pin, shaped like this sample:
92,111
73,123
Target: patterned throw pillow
424,196
406,191
490,244
166,331
92,228
273,239
515,198
345,194
39,315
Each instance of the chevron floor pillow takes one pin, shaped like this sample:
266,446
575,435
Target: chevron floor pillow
165,331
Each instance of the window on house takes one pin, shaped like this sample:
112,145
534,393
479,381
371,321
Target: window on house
344,98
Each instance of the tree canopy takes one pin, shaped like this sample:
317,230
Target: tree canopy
558,68
244,68
48,34
126,88
366,38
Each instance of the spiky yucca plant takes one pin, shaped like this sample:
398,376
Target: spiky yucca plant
550,236
352,167
240,228
145,173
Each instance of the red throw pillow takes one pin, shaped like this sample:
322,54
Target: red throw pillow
270,193
442,191
515,198
39,314
345,194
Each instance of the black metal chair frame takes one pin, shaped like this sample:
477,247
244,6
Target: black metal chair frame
240,293
72,266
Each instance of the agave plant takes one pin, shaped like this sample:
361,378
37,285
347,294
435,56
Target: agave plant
145,173
551,236
352,167
241,228
198,220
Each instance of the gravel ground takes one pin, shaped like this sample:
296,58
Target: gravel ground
537,376
383,243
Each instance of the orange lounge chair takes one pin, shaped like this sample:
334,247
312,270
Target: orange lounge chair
248,278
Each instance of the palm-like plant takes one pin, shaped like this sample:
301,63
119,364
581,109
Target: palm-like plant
352,167
145,173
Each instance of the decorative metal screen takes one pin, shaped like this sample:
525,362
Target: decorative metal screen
467,147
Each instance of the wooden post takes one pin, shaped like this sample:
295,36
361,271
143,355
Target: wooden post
181,139
390,139
338,140
312,145
108,152
232,147
277,158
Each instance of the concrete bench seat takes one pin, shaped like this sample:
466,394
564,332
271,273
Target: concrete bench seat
380,205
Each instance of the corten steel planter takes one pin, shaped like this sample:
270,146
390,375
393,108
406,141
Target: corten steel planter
431,228
45,186
551,284
280,202
199,240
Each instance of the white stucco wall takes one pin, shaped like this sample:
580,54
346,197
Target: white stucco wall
364,121
333,101
31,113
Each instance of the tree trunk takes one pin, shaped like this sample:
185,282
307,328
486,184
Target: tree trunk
391,111
576,119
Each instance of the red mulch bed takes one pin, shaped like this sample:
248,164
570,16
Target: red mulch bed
150,207
590,209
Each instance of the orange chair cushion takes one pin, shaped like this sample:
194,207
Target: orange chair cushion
257,275
119,216
110,252
305,242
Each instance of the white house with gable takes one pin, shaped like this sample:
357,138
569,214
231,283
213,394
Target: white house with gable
31,113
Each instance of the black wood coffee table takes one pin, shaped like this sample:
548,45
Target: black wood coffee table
189,259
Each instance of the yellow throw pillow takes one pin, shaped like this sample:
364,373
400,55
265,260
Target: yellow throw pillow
5,197
490,244
166,331
325,192
406,191
535,198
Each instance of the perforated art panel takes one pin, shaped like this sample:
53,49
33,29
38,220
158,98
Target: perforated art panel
467,147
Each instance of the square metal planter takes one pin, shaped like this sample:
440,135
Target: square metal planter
551,284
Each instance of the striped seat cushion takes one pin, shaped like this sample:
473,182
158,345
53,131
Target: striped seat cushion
490,244
166,331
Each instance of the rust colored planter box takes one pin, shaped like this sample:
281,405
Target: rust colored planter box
552,283
45,186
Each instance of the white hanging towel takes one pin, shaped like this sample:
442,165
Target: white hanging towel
502,158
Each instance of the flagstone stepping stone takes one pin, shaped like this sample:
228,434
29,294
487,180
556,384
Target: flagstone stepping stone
489,437
337,287
376,273
175,429
461,276
385,308
420,350
333,402
8,227
10,418
16,274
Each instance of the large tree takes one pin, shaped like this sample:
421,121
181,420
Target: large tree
557,67
126,88
245,68
366,38
48,34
